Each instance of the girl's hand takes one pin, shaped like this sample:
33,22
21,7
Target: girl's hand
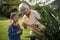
19,32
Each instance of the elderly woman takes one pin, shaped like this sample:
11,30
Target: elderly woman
29,18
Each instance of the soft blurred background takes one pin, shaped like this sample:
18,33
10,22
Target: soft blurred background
49,11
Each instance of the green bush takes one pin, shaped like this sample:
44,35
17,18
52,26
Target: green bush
50,19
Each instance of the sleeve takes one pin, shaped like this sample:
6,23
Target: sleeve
25,19
11,33
37,15
25,22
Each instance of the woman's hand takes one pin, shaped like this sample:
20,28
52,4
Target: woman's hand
25,25
34,25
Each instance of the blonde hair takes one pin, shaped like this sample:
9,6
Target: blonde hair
13,14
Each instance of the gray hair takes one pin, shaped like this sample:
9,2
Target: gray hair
23,6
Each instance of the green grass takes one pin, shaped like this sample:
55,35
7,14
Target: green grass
4,30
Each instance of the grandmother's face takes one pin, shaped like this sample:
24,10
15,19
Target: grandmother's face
25,11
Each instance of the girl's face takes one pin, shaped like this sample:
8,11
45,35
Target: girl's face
16,18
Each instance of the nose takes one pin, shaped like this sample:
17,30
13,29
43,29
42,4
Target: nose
24,12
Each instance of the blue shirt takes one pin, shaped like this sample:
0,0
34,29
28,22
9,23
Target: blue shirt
12,32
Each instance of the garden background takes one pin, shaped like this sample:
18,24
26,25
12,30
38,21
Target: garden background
49,11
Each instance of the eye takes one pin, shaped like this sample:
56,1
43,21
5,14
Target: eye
23,9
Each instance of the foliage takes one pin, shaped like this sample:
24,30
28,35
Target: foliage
8,6
50,19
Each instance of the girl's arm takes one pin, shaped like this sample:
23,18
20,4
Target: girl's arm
19,30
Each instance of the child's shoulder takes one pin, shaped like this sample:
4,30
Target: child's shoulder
10,26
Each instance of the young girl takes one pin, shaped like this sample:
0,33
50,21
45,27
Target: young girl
14,30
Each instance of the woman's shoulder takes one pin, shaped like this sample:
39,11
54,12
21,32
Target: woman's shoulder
33,11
